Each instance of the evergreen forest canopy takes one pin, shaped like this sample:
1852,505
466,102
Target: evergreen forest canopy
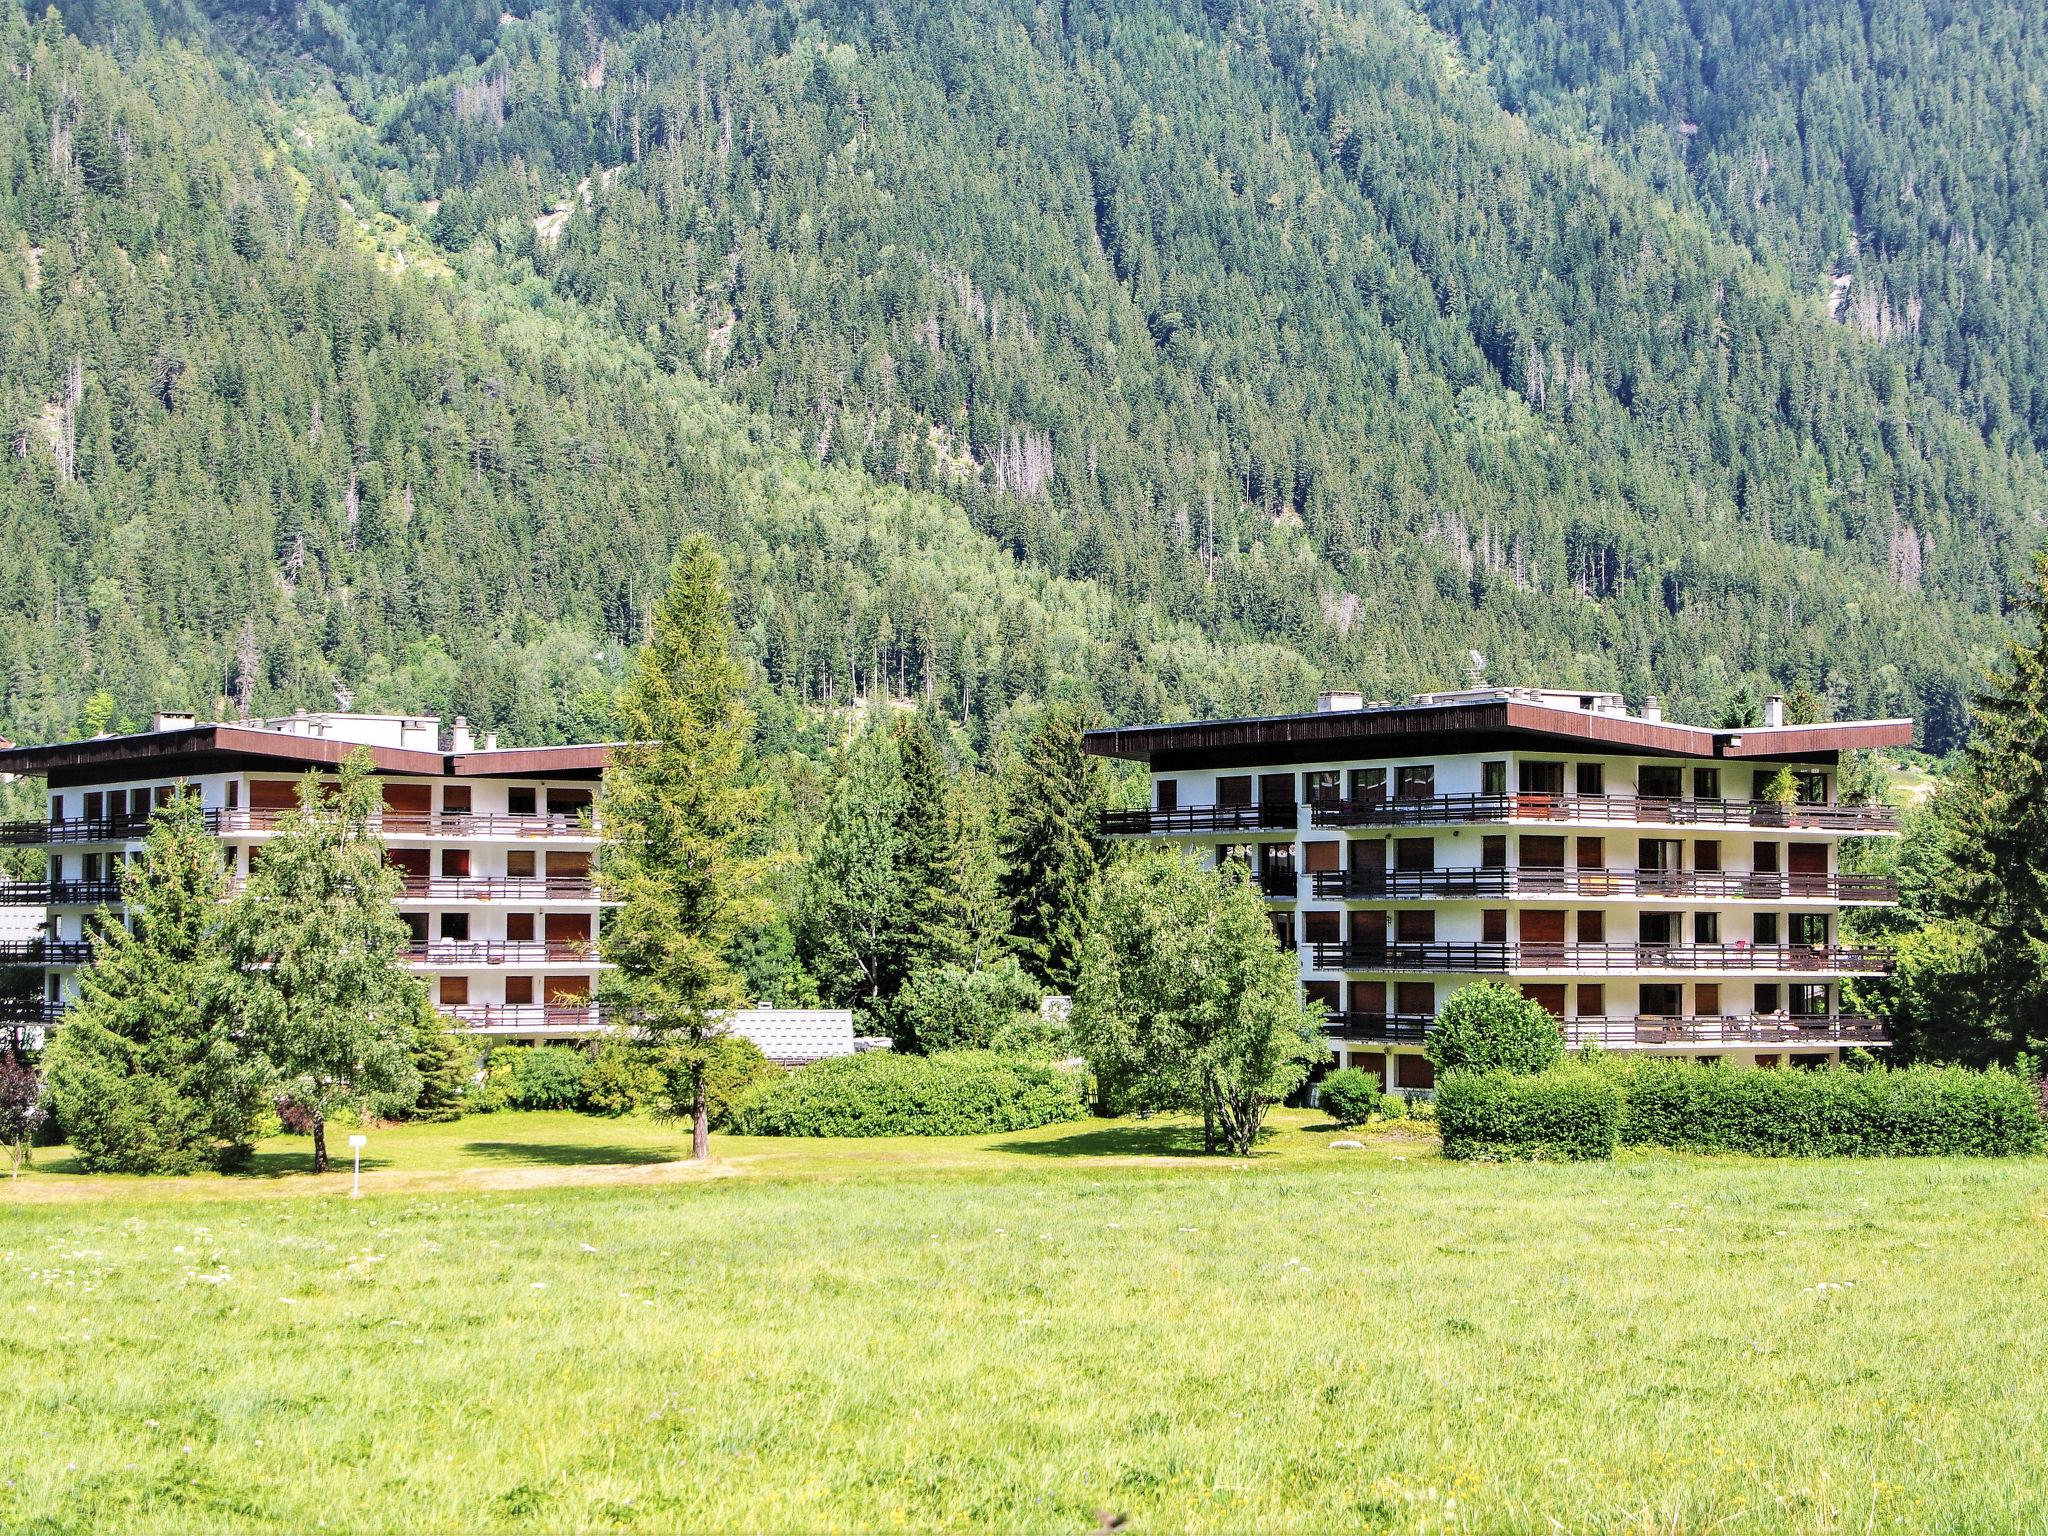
1171,358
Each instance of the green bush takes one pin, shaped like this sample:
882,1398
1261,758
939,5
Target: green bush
733,1068
1350,1097
1569,1114
881,1093
1875,1112
950,1008
1490,1027
624,1076
541,1076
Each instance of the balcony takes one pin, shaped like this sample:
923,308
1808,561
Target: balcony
1599,884
59,893
460,954
45,952
1279,884
128,828
529,1018
1501,959
544,888
1201,818
1648,1030
1605,810
1398,1028
15,1011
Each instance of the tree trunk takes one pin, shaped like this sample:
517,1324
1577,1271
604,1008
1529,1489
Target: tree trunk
700,1117
1208,1124
319,1142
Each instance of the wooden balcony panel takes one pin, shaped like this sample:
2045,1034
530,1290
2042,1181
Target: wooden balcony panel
1427,959
1613,884
1636,810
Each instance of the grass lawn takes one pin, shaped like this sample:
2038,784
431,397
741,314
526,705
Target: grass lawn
542,1325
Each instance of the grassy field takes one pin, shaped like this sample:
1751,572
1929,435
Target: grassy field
542,1325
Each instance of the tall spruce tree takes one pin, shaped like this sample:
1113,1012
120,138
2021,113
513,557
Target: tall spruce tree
146,1071
1052,795
678,817
853,891
931,934
320,942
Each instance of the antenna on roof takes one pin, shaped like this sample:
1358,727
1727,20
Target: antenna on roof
1475,667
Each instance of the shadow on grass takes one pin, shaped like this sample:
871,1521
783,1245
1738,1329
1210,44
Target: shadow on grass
1133,1140
567,1154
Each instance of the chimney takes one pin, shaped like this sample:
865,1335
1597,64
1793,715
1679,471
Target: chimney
1653,709
172,720
1774,709
458,735
1338,700
490,741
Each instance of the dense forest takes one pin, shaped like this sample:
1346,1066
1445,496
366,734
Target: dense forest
1170,358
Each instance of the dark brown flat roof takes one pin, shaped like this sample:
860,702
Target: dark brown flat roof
196,749
1475,725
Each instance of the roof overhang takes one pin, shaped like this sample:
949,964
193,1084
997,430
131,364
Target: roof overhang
1505,725
192,750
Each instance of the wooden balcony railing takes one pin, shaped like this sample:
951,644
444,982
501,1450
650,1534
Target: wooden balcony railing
1394,1027
1424,959
499,888
1659,1029
59,893
127,828
28,1010
45,952
1454,884
1640,810
468,952
515,1016
1279,884
1202,818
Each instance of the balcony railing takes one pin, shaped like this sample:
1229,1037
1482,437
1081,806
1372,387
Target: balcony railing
499,888
516,1016
1202,818
468,952
28,1010
128,827
1437,884
45,952
1395,1027
1499,958
1279,884
1649,1029
58,893
1644,810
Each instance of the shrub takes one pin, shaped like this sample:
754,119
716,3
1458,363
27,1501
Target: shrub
543,1076
623,1077
734,1067
1875,1112
1489,1027
1569,1114
949,1008
881,1093
1350,1097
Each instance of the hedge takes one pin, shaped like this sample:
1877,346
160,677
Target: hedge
1568,1114
1585,1109
1349,1096
884,1093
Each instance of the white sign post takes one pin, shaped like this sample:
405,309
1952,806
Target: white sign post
356,1145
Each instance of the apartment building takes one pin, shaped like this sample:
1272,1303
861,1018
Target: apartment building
1656,886
495,846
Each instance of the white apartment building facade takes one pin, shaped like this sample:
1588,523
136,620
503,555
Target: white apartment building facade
1656,886
495,847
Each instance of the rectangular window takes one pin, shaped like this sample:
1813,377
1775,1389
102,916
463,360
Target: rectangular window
1767,997
1368,929
1283,928
519,800
455,926
568,800
1368,784
95,806
1763,927
1322,858
1414,1072
1592,926
1706,999
1166,794
1547,995
1706,783
1369,855
1810,786
1325,786
1706,856
1415,854
1542,852
568,866
1323,992
1415,998
1765,859
1320,927
407,799
1660,855
1417,781
519,927
455,800
1238,854
1493,851
1234,789
1493,778
1493,925
518,991
454,991
520,864
1369,998
1413,927
415,928
1541,778
1592,1000
1810,929
138,803
1654,928
455,863
57,806
234,794
1706,927
1592,853
1591,778
1660,1000
1276,789
1660,781
1809,999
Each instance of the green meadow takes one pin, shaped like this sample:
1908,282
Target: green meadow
544,1323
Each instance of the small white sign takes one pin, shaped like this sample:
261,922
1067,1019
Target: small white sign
359,1142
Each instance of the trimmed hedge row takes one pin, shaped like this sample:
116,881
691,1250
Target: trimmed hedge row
1568,1114
882,1093
1585,1110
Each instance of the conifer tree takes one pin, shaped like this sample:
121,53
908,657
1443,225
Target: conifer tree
146,1071
678,817
320,942
930,915
1053,793
983,913
853,893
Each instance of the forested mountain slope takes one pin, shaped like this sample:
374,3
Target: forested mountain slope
1175,354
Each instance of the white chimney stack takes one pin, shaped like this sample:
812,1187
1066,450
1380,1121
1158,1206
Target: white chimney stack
1774,709
458,735
1338,700
1653,708
173,720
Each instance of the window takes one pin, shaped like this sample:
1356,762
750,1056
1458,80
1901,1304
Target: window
519,800
1810,786
1660,855
1369,930
1368,784
234,794
455,800
1493,778
1766,859
1415,854
1549,996
415,928
1809,1000
1283,928
1276,789
518,991
1228,854
455,926
1592,1000
1706,783
1543,853
1654,928
95,806
568,800
1764,928
1810,929
1660,782
1325,786
1706,927
1493,851
1592,926
1320,927
1415,998
1493,925
1591,778
454,990
57,806
1166,794
519,927
1234,789
1767,997
1322,858
1661,1000
1369,998
138,803
1414,1072
519,863
1417,781
1706,999
1542,778
1323,992
1592,853
455,863
1369,856
1411,927
1706,856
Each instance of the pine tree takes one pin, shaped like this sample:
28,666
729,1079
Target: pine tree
320,941
678,817
930,928
983,913
1050,802
146,1070
853,892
